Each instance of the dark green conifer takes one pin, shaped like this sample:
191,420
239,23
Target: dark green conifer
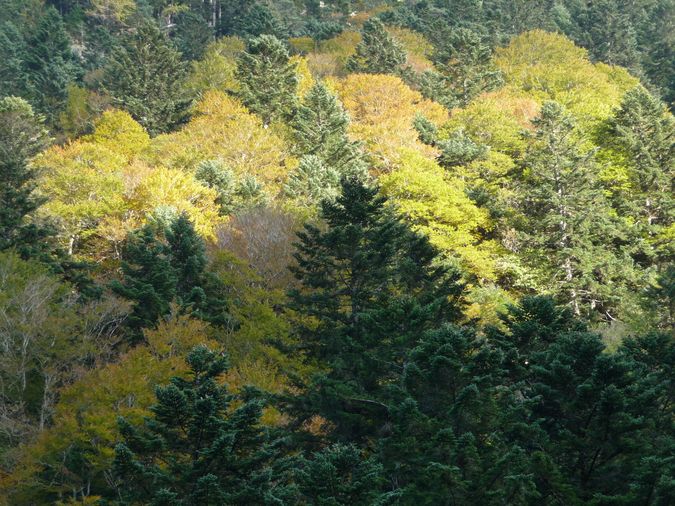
145,76
202,444
378,52
268,79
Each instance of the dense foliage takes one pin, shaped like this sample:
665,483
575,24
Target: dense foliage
348,252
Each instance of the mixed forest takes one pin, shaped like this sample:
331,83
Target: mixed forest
302,252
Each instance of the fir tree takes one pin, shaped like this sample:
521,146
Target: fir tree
145,76
13,51
22,136
149,279
312,181
567,226
268,79
372,287
320,128
465,66
378,52
197,448
644,132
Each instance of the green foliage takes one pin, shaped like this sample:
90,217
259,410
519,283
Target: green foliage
268,79
234,194
145,76
378,52
198,448
369,287
22,136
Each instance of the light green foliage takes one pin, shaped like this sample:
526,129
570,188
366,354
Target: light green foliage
234,193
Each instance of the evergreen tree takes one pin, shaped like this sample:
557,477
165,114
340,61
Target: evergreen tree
50,65
22,136
268,79
378,52
370,286
13,51
149,279
197,289
320,127
465,68
643,131
145,76
197,448
312,181
567,227
191,35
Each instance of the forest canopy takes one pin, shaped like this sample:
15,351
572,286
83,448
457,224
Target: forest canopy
339,252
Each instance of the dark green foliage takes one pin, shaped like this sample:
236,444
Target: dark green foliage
320,127
50,65
13,78
340,475
378,52
371,287
268,79
22,136
198,448
191,35
157,271
465,66
149,280
145,76
568,226
459,149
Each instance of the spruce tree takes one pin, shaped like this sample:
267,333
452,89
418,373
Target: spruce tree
22,136
320,128
371,286
268,79
149,279
378,52
567,228
643,132
13,50
145,76
202,444
50,65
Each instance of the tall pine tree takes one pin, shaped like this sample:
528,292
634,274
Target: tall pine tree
378,52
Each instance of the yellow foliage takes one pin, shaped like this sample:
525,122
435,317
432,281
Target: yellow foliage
416,46
437,206
382,110
119,132
305,79
495,119
548,66
181,192
302,44
216,70
222,128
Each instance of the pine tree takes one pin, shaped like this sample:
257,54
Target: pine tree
197,448
50,65
22,136
378,52
312,181
567,229
13,50
145,76
371,287
320,128
149,279
268,79
191,35
643,131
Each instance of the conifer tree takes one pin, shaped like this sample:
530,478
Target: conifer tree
149,279
13,78
378,52
320,128
268,79
371,286
197,448
145,76
312,181
567,228
643,131
22,136
465,66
